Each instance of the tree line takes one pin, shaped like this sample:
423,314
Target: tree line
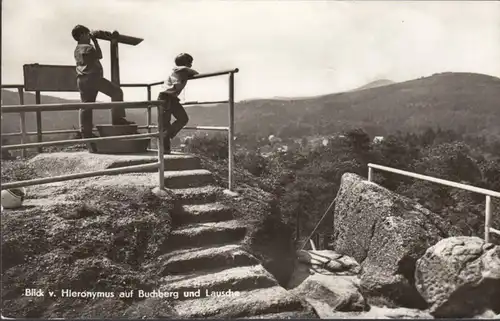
306,178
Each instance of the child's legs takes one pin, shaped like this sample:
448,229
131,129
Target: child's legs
181,117
88,94
86,123
167,118
116,93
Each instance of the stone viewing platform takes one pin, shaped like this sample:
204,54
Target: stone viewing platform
62,163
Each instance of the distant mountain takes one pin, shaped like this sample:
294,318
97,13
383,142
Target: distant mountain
375,84
466,102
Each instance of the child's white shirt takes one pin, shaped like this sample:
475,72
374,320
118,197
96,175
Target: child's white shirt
177,80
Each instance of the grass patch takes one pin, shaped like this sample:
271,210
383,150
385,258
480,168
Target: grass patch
17,170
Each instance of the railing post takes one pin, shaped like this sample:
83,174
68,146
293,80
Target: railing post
38,101
487,220
161,157
22,119
370,173
148,120
313,247
297,227
231,131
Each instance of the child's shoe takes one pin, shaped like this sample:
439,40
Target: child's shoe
166,146
122,121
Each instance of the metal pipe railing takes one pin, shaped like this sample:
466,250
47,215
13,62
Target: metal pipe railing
12,86
148,113
66,131
437,180
78,106
159,165
74,131
49,132
38,108
62,178
77,141
22,120
161,148
230,153
188,103
213,74
216,128
488,193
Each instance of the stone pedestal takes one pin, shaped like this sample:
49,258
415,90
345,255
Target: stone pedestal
130,146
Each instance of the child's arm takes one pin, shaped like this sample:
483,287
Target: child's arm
191,72
89,54
185,73
97,47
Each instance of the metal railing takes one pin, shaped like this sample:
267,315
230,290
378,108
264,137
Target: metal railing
488,193
77,106
149,104
39,132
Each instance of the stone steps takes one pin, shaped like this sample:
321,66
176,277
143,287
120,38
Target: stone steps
204,249
210,233
197,195
188,178
63,163
203,254
286,315
248,303
241,278
172,162
202,258
203,213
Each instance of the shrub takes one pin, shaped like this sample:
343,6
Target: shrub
214,146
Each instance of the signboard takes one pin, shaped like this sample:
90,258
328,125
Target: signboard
49,78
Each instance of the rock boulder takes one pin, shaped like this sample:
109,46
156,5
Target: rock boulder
327,281
330,293
387,233
460,277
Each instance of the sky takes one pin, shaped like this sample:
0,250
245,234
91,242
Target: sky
282,48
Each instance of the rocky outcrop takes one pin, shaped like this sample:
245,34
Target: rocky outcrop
386,233
330,293
460,277
185,248
328,282
383,313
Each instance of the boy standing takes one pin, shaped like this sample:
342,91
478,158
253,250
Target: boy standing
90,79
172,87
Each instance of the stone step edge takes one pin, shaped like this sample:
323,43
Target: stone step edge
234,278
244,302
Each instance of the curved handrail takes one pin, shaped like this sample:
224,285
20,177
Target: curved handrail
488,193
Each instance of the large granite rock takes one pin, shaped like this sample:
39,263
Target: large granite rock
330,293
327,281
387,233
460,277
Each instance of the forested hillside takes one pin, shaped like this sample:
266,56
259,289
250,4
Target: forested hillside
305,179
464,102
